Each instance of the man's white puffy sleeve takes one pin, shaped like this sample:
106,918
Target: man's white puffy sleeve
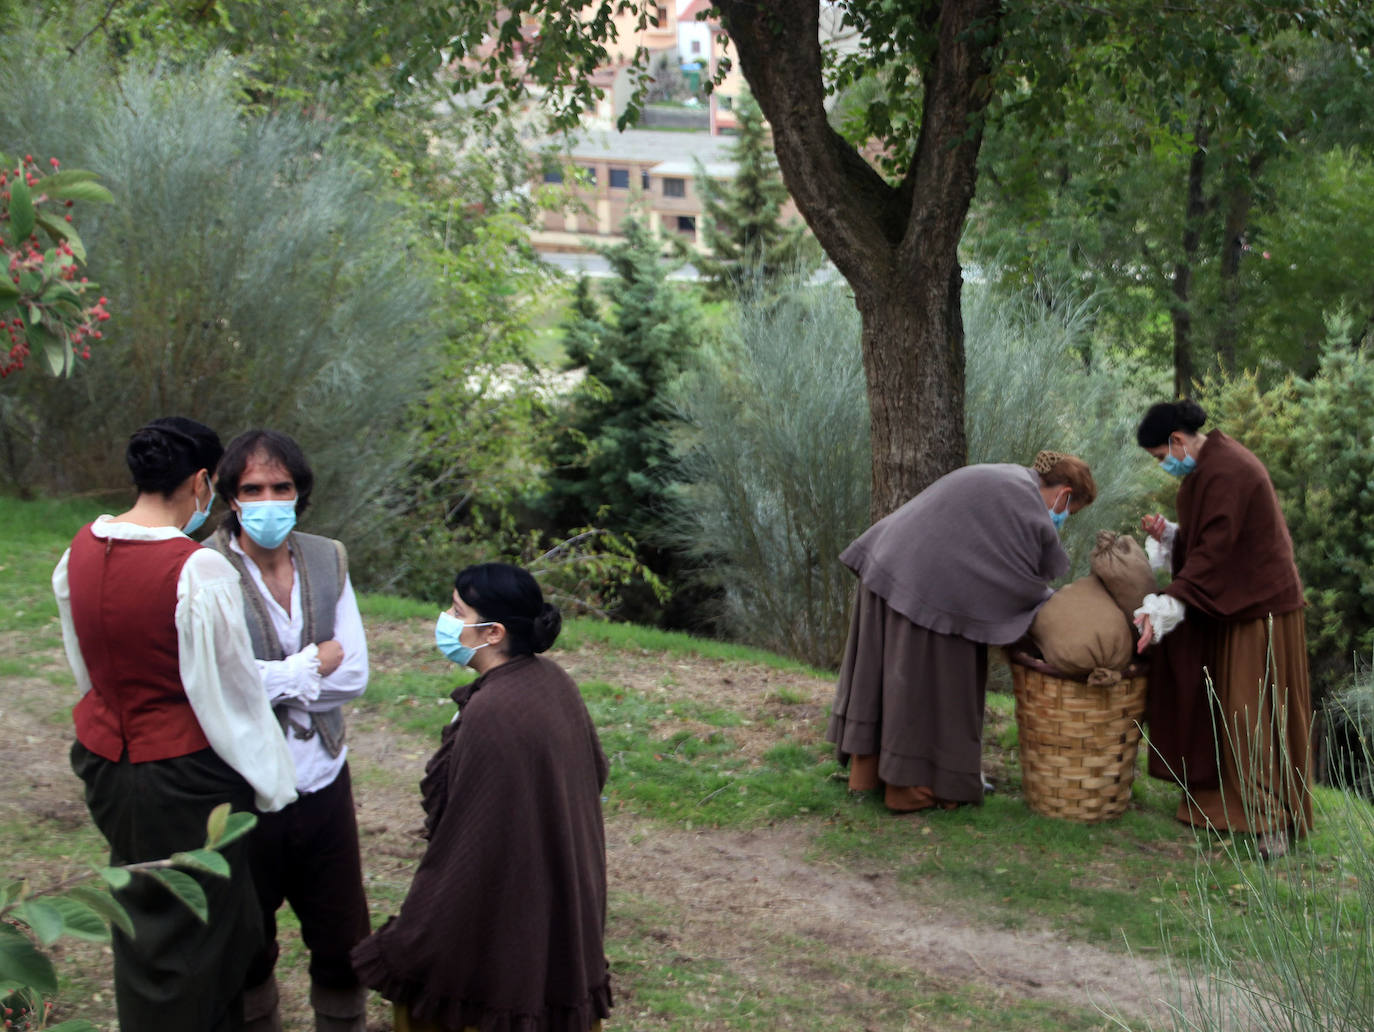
222,682
62,590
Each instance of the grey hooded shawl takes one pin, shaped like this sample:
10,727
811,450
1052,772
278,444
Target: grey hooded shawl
970,555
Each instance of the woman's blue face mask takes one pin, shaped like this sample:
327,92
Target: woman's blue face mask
1059,518
1175,466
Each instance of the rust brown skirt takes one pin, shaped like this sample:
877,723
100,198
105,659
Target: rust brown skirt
1264,702
908,709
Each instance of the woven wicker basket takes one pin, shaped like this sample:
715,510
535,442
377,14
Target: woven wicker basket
1078,741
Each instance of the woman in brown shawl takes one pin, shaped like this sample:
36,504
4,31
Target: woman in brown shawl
503,926
1232,615
961,566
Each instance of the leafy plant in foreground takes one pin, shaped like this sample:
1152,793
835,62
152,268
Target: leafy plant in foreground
80,905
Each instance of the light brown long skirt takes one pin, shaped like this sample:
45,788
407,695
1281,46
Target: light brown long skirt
911,699
1265,703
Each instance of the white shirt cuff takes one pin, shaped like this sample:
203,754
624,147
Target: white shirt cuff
1165,613
295,677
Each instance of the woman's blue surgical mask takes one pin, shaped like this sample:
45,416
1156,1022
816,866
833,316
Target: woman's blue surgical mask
268,523
1059,518
198,518
448,629
1177,467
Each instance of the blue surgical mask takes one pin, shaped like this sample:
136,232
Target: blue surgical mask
447,630
1058,518
198,518
1175,466
268,523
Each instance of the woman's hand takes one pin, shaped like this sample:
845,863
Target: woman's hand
1154,525
1147,633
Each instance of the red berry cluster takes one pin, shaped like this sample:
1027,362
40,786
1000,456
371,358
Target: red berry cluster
62,314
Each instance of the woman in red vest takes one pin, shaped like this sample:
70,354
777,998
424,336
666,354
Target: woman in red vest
173,720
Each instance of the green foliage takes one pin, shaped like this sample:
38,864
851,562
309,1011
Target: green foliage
42,302
611,456
774,470
1029,388
34,919
751,247
263,277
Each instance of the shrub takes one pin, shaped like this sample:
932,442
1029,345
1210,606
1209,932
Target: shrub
776,458
260,275
775,468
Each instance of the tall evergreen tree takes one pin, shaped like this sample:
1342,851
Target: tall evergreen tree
611,455
750,245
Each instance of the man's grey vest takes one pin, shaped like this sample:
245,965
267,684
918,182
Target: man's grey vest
322,566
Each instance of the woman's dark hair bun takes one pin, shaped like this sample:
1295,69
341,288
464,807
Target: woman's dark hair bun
546,627
1165,417
163,453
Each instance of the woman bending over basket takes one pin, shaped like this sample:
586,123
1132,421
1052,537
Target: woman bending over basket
1240,750
961,566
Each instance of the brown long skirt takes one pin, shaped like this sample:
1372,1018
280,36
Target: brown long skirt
404,1021
913,699
1264,702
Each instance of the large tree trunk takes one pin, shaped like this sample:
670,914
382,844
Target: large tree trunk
896,245
1240,199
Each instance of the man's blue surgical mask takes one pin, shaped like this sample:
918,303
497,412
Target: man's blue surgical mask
268,523
448,629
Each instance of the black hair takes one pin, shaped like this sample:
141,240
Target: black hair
1166,417
510,596
163,453
278,447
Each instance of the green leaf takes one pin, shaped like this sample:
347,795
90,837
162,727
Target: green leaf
105,905
238,825
206,860
115,877
57,227
73,1025
214,827
84,191
21,210
22,966
66,177
44,919
184,888
7,287
56,351
79,920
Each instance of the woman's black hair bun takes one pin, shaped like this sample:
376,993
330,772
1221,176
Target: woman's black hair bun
547,625
1190,415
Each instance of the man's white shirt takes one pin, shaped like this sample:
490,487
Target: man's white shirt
295,682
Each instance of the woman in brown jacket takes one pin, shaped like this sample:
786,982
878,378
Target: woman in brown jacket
1229,707
503,926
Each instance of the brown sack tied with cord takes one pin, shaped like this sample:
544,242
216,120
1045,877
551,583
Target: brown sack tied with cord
1081,632
1121,565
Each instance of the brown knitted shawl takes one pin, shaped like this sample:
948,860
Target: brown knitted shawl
503,926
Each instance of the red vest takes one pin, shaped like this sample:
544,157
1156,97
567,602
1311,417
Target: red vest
124,600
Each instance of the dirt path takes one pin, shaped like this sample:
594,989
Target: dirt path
751,900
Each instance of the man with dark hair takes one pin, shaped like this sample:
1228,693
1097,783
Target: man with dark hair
311,650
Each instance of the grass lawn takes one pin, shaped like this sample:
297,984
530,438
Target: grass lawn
719,747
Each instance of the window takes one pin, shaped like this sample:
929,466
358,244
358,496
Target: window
644,179
620,179
553,175
696,46
662,22
726,103
673,187
687,224
590,172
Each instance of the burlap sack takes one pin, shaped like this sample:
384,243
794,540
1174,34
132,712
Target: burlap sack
1081,632
1120,564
